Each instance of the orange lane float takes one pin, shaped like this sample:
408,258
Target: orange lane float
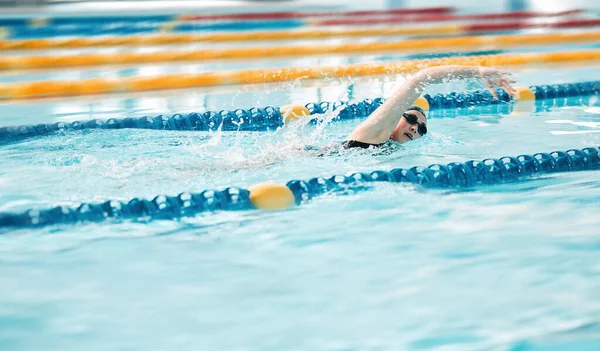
406,46
99,86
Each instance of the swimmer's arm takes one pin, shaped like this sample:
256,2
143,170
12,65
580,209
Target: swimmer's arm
378,127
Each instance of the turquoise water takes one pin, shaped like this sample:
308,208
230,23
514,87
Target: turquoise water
508,267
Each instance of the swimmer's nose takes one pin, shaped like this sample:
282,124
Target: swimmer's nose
413,129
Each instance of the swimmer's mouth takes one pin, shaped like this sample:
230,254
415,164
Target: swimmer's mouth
409,136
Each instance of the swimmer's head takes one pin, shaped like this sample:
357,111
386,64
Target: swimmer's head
412,125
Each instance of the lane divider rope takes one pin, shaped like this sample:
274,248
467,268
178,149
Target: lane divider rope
102,86
274,196
119,29
271,118
392,19
426,14
313,14
302,34
411,45
38,21
91,18
42,28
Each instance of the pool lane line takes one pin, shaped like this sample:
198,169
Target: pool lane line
428,45
433,14
394,19
271,118
287,35
125,29
40,21
40,27
103,86
276,196
316,14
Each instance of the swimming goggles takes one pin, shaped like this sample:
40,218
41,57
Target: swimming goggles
412,119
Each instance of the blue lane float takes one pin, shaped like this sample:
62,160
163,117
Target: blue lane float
270,118
148,27
296,192
83,20
254,119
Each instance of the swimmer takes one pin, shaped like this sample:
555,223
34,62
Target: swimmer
396,120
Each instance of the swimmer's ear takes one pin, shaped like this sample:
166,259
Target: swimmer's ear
291,113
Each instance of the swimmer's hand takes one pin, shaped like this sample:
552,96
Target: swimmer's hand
492,77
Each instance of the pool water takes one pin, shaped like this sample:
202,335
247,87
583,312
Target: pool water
398,267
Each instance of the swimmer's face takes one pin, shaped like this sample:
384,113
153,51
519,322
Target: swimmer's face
408,128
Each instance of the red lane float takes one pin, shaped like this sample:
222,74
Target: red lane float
289,15
518,25
395,19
